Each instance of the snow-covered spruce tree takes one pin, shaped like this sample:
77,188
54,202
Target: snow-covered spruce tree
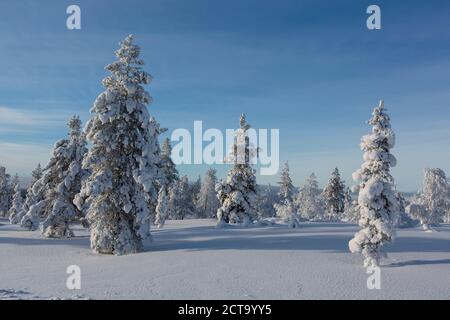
286,209
334,196
5,192
162,208
377,202
237,194
435,195
123,160
207,202
167,166
16,202
286,187
309,201
30,198
181,205
70,175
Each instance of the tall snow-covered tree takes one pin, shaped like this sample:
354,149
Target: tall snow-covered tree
5,192
16,202
377,202
168,167
30,198
207,202
162,208
309,201
237,194
286,187
334,196
54,192
124,158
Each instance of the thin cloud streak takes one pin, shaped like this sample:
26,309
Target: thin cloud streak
11,117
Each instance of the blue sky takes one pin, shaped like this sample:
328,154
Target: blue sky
310,68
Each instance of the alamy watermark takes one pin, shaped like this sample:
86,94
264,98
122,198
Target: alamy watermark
212,146
374,280
73,21
374,20
73,281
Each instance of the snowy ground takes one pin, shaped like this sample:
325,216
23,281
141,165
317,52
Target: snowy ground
192,260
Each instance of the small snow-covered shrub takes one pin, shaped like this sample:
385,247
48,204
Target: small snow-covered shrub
286,211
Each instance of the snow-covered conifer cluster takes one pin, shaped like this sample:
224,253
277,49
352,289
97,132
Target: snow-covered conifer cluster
116,179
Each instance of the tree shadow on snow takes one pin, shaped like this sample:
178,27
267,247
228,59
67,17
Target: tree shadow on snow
80,241
419,263
418,244
308,237
262,238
